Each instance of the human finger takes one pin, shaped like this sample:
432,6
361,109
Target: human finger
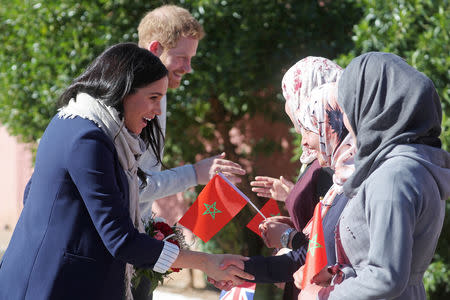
231,177
237,261
263,195
281,219
221,285
228,285
262,226
323,278
260,183
265,178
266,240
286,182
298,277
228,166
261,189
240,274
310,292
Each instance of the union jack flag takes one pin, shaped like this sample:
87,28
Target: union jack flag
245,291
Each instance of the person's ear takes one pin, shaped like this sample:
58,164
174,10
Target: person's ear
156,48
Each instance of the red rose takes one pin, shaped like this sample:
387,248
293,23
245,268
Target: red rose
159,235
175,242
164,228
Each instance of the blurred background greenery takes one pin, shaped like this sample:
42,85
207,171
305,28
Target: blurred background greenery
238,69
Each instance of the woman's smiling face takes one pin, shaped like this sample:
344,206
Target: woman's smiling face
144,105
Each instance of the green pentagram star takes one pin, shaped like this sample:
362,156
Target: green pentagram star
209,212
273,215
313,245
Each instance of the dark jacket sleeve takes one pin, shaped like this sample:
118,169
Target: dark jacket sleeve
92,165
274,269
324,181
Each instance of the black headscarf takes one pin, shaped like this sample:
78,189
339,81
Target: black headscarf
387,103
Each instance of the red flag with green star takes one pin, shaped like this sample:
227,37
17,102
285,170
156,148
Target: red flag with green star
216,205
270,209
316,256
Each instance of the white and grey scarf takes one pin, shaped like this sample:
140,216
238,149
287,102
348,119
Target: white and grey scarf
128,146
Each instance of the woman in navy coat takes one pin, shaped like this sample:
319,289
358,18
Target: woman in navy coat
80,229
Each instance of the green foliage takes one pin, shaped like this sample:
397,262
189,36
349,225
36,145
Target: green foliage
419,32
239,64
415,30
45,44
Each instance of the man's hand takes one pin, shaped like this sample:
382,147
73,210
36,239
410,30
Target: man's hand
274,188
208,167
271,232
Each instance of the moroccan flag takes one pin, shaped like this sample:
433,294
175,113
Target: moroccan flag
216,205
270,209
245,291
316,256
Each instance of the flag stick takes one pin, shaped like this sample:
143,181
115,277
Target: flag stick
242,194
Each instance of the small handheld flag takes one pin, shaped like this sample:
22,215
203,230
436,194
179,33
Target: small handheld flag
242,194
269,209
316,255
215,206
245,291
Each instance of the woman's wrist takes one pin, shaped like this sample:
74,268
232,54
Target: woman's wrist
192,260
299,239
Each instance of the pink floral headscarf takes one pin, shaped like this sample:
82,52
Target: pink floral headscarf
299,81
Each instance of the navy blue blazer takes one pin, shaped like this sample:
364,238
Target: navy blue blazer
74,235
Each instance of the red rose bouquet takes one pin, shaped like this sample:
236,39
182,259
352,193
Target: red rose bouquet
160,230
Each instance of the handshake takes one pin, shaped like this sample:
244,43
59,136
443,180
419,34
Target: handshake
226,271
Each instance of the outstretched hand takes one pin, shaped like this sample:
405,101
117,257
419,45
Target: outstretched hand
270,187
208,167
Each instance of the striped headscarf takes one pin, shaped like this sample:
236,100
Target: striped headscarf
337,147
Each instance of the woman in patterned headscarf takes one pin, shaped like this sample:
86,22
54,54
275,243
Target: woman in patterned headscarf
300,199
297,84
335,149
389,229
